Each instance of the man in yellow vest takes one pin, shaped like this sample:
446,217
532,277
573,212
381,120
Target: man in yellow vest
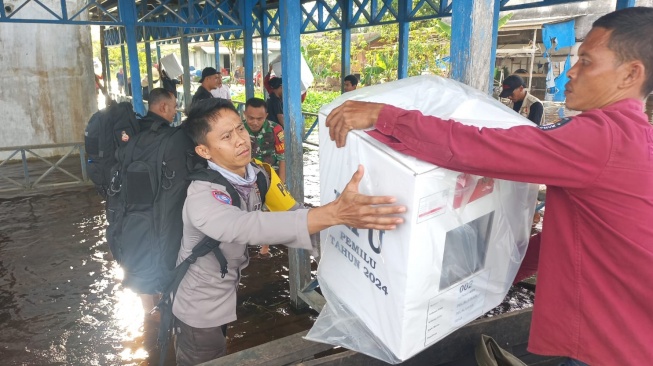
521,101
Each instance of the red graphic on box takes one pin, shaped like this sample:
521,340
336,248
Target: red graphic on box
466,183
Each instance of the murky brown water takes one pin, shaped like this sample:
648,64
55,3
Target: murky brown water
61,301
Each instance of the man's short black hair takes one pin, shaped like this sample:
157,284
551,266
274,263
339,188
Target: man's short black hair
631,38
256,103
352,79
200,114
158,95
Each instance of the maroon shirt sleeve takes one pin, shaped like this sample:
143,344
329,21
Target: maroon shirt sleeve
571,153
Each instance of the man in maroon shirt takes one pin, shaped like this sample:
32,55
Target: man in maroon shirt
595,261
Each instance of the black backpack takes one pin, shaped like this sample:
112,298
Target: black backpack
205,246
146,197
106,131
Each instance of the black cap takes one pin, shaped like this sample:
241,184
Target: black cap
275,82
208,71
509,85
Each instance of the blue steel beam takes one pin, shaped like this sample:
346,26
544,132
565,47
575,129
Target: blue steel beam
128,14
622,4
404,30
294,126
264,42
248,54
345,44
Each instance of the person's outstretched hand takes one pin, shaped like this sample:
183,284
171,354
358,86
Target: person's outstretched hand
351,115
357,210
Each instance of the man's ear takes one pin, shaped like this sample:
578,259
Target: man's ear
634,75
203,151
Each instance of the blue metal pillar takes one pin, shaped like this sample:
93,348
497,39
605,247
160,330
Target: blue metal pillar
125,70
148,63
185,64
493,51
471,41
107,82
216,46
248,39
127,9
158,54
404,30
289,22
264,44
622,4
345,44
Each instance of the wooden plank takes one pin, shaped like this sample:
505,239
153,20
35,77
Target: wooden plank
282,351
456,349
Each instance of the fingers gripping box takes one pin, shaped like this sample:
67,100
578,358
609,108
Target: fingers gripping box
392,294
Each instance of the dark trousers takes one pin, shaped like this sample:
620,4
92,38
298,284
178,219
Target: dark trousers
197,345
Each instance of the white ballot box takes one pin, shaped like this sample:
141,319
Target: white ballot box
172,66
392,294
305,72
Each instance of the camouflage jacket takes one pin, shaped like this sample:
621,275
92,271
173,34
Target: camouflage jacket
268,143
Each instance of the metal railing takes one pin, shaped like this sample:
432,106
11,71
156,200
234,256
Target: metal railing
30,166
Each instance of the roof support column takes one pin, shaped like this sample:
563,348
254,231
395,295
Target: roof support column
127,11
345,44
148,63
622,4
264,44
183,47
248,39
216,47
404,31
124,68
493,51
289,22
158,54
471,41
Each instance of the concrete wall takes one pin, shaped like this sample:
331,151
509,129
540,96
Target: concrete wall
47,91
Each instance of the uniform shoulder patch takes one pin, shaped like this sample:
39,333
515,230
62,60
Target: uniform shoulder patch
559,123
221,197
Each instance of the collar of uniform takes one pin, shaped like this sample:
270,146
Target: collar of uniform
629,103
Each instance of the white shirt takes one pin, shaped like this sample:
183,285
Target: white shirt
221,92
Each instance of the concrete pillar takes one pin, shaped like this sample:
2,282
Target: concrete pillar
47,93
471,41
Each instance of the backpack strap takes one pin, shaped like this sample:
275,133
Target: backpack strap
205,246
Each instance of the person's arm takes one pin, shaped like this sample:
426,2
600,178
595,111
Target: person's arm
535,115
266,81
280,119
570,154
224,222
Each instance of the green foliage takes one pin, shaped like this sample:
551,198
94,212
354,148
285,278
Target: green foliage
316,99
240,97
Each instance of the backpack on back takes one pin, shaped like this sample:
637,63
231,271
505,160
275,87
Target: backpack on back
106,131
147,194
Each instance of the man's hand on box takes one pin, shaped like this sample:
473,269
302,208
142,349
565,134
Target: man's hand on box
357,210
351,115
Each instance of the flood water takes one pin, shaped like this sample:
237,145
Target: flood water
61,301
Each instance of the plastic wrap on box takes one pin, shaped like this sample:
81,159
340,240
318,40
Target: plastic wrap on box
392,294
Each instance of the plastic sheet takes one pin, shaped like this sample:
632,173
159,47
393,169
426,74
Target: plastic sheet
392,294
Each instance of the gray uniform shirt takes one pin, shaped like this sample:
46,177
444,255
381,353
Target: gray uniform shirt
204,299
